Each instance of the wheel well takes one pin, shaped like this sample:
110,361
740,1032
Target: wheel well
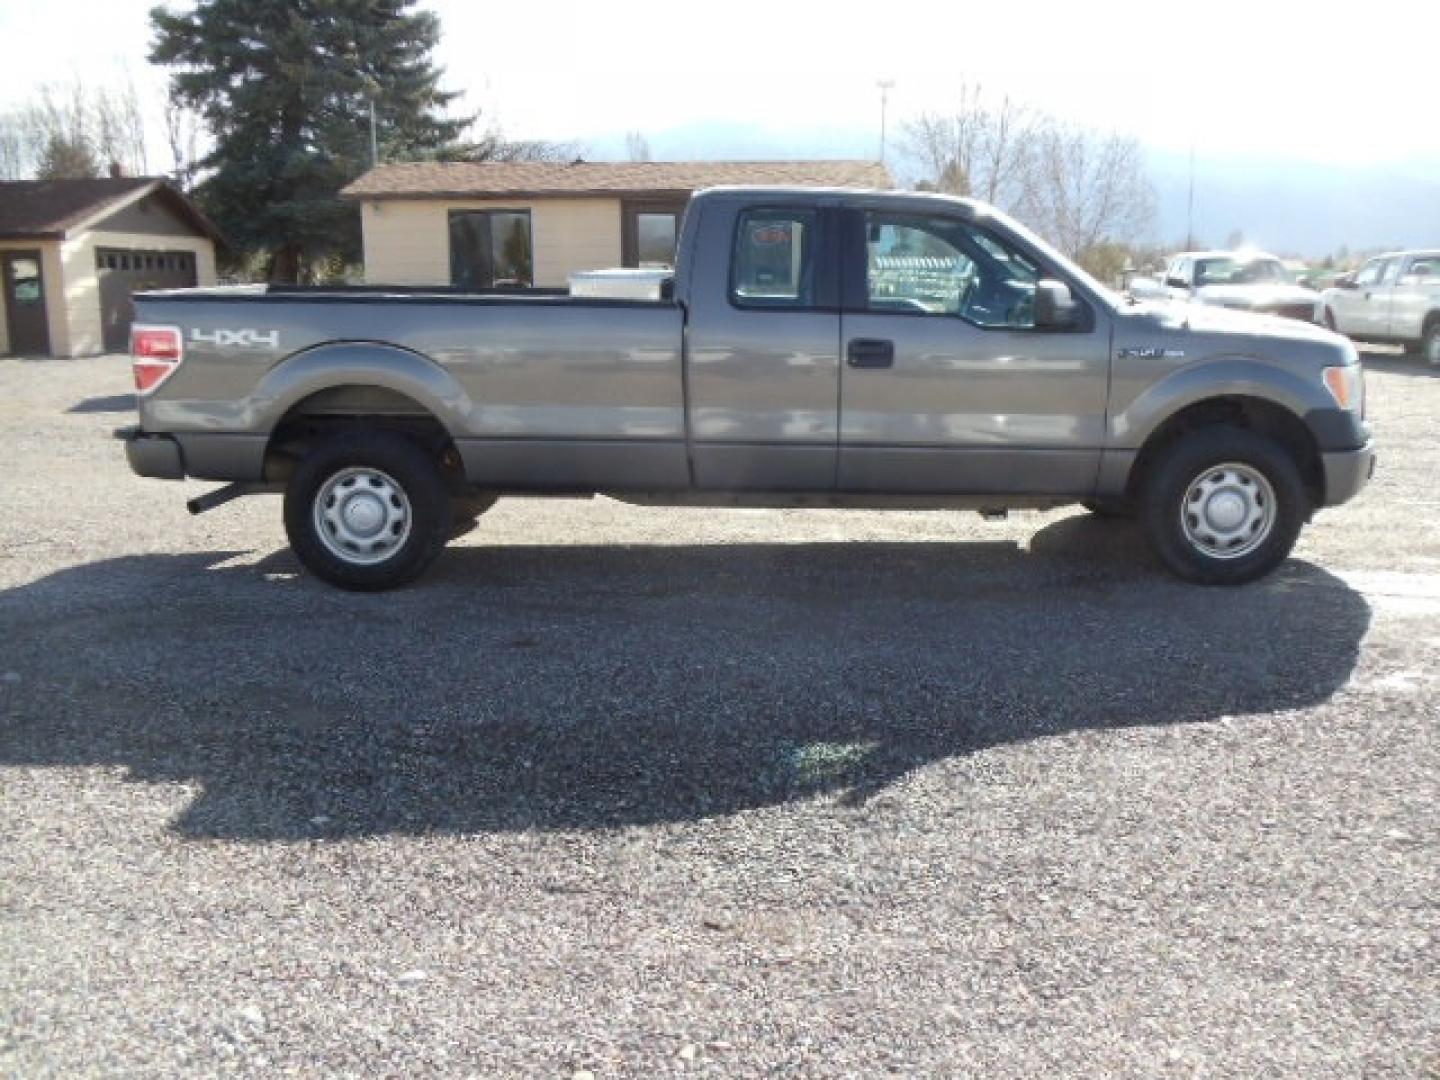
345,408
1253,414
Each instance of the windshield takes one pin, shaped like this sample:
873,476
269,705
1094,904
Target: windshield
1066,265
1228,271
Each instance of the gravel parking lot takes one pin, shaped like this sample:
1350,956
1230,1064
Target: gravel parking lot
662,792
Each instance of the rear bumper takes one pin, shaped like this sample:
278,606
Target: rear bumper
155,456
1347,472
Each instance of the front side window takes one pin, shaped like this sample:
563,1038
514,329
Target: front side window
490,249
1370,272
945,266
774,259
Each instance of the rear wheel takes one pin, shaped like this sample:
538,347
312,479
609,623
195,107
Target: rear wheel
1224,506
367,510
1430,342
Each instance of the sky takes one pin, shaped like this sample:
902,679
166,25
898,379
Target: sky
1331,94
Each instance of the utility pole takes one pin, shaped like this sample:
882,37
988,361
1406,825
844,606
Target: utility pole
1190,206
884,86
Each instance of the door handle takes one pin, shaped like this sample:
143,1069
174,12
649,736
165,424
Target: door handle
870,353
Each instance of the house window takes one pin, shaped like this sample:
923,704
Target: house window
491,249
649,231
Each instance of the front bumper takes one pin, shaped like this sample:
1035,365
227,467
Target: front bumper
1347,472
155,456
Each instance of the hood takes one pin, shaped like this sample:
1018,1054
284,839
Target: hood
1213,321
1269,294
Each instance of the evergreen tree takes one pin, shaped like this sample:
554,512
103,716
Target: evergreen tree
285,88
66,159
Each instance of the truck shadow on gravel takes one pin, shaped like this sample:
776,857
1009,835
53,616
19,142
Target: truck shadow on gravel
548,687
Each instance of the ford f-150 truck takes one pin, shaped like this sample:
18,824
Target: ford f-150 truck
1393,298
814,348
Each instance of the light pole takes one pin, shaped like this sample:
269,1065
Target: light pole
884,86
1190,204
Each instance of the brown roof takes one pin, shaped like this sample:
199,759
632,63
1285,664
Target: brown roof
464,179
50,209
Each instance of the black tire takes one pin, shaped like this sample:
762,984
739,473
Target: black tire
1110,509
1187,461
419,499
1430,342
465,511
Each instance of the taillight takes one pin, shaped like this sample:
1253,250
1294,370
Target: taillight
155,353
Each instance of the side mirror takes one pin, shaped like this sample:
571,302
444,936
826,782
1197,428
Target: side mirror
1055,308
1177,283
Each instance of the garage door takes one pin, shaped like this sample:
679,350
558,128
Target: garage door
124,273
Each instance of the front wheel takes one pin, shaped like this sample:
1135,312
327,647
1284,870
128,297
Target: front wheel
1224,506
367,510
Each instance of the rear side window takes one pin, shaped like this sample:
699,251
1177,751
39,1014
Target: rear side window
773,264
1426,269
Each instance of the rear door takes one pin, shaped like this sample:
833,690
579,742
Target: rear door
947,386
762,348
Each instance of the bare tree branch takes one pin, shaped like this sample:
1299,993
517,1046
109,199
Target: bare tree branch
1080,188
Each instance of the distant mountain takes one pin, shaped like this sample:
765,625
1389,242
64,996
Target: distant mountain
1288,207
1300,208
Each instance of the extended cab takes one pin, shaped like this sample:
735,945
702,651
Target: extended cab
1393,298
814,348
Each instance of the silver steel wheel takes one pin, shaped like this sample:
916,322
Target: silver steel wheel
1228,511
362,516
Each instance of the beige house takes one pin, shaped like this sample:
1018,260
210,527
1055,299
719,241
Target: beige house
73,251
496,224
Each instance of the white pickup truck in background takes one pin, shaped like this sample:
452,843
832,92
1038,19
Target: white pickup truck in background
1393,298
1239,280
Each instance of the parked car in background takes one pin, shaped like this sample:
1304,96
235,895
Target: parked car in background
1393,298
1239,280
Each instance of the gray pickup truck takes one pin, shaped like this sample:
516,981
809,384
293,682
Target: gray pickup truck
824,348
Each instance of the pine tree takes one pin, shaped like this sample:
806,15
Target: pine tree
65,159
285,88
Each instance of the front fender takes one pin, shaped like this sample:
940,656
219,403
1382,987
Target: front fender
1227,376
359,363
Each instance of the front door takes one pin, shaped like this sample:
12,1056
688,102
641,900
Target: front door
24,284
762,352
947,387
1358,309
